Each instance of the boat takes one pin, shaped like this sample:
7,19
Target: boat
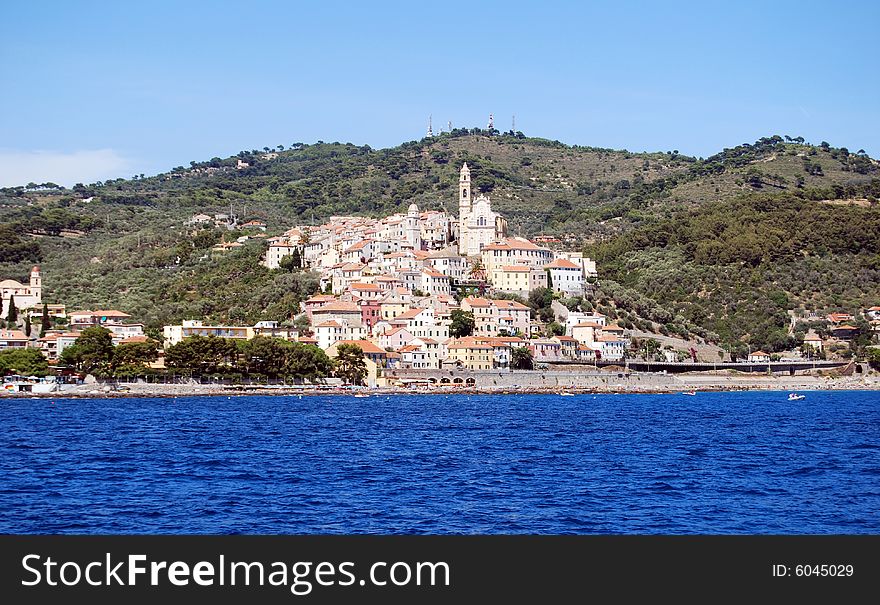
795,397
566,394
689,393
361,394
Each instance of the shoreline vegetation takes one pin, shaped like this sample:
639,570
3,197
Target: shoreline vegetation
682,383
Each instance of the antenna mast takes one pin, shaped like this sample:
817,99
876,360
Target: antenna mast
430,130
491,122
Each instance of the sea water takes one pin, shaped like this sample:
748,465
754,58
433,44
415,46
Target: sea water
742,462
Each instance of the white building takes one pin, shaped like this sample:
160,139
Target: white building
478,226
25,296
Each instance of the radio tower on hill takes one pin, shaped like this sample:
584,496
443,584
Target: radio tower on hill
491,122
430,130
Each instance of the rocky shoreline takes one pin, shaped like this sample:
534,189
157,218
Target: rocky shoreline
630,385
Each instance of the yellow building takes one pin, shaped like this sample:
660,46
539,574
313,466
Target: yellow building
469,354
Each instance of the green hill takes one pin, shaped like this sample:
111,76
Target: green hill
728,244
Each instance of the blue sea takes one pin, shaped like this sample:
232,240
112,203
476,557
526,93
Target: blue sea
744,462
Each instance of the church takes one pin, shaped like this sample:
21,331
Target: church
478,226
26,297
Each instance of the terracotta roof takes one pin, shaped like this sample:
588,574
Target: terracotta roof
562,263
508,304
110,313
337,306
759,354
328,324
13,335
133,339
515,268
365,345
588,324
362,286
477,302
845,327
512,243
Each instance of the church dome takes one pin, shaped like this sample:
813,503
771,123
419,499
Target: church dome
413,209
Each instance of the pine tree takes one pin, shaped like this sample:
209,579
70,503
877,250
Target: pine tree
27,325
12,313
44,323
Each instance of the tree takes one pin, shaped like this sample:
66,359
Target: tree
131,358
91,353
462,324
307,362
549,280
291,262
555,329
12,312
27,325
521,358
873,355
44,321
202,355
350,364
26,362
264,355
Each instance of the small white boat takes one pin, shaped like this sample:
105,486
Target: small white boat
361,394
689,393
795,397
566,394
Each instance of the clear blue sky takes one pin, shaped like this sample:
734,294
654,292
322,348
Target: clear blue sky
99,89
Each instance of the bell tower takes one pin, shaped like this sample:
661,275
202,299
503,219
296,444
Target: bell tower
464,208
36,283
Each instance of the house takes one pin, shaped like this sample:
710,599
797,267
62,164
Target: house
812,339
276,252
492,316
872,313
565,277
468,353
759,357
376,359
545,349
435,350
100,317
196,327
413,356
611,347
12,339
338,310
315,302
254,225
199,219
56,311
586,332
511,278
844,331
332,331
568,346
395,338
839,318
450,263
435,283
514,251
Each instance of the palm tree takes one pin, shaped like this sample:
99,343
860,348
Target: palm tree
477,271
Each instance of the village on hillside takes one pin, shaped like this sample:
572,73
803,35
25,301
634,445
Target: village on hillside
422,291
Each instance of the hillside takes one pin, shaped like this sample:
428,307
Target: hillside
730,243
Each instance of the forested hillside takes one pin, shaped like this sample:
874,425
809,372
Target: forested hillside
730,243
